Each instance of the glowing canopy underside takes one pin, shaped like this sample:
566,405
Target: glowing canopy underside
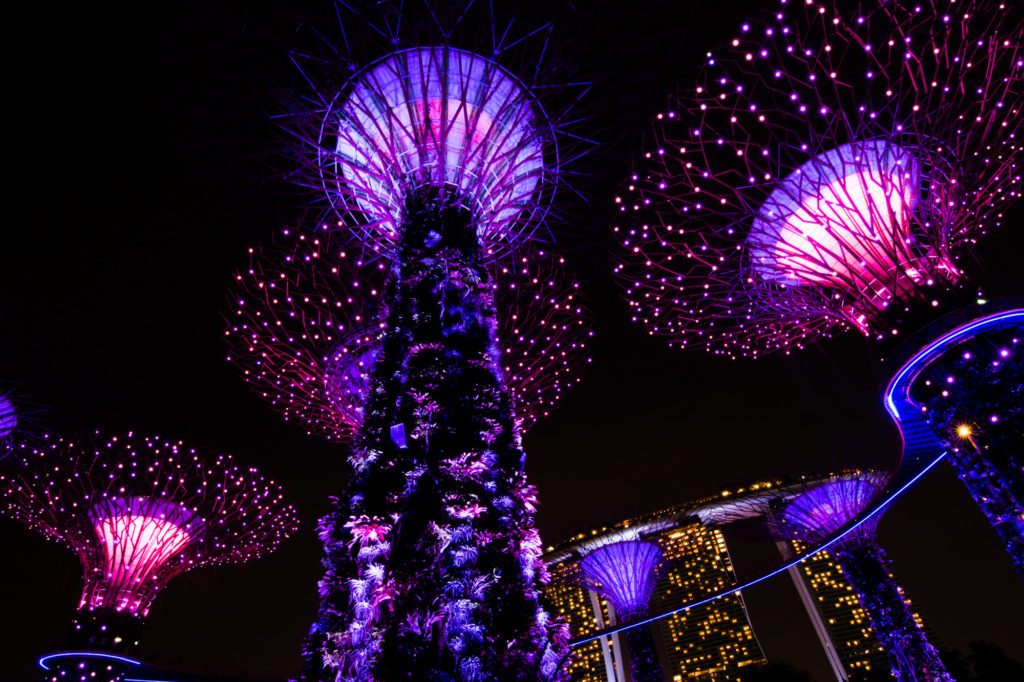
823,510
843,220
443,118
139,536
625,573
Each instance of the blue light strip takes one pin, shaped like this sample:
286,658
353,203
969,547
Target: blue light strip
937,346
84,654
607,632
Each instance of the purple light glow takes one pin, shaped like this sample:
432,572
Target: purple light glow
625,573
825,509
347,375
438,117
8,417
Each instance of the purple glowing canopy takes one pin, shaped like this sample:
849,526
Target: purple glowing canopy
8,416
824,509
625,573
438,117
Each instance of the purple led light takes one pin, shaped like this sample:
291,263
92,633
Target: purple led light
842,220
625,573
437,117
348,369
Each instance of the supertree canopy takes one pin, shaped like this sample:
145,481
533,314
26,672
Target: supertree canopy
625,573
8,423
818,514
831,170
8,416
436,117
139,511
439,163
18,419
308,322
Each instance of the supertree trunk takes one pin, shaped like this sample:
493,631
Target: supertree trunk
643,657
990,492
912,657
438,537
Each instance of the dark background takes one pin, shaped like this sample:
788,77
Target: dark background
139,170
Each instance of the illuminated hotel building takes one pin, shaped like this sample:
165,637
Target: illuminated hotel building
714,641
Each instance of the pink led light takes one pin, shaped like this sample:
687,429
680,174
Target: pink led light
306,328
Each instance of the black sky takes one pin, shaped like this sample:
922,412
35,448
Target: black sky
138,175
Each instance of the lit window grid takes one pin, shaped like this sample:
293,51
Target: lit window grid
572,604
714,640
847,623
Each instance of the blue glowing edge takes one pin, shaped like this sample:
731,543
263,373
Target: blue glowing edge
84,654
936,347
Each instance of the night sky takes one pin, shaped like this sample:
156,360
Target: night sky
143,168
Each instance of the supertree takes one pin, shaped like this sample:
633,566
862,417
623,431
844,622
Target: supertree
138,511
830,171
439,161
820,513
625,573
308,321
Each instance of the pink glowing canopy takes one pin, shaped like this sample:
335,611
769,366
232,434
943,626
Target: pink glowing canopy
139,536
625,573
438,117
844,220
138,511
828,170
